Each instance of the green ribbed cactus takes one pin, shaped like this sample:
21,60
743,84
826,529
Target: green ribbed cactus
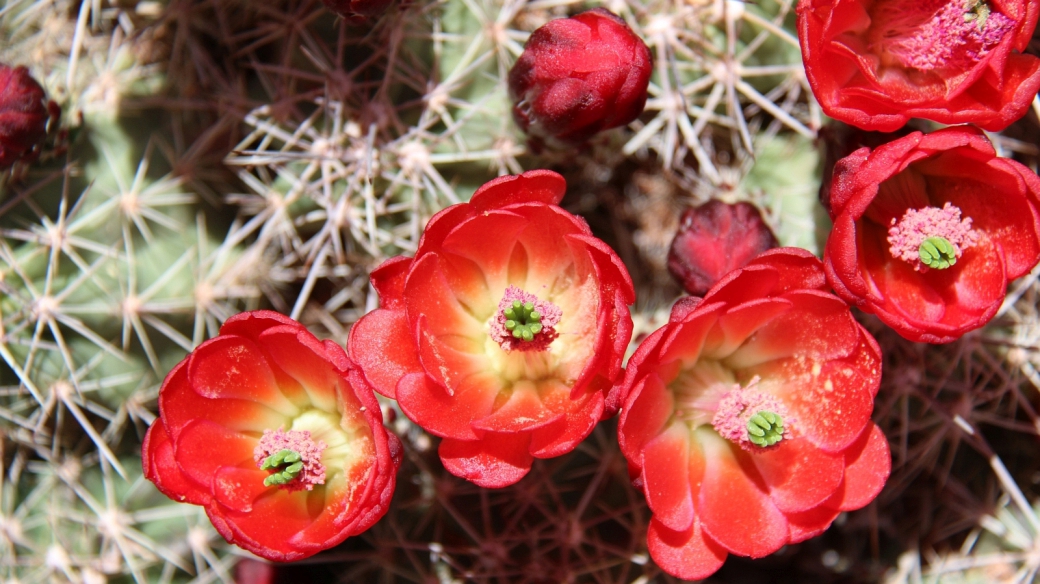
219,156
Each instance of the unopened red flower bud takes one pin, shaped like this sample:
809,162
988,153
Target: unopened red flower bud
713,240
23,114
578,76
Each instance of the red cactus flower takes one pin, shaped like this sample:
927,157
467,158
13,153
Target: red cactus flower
23,114
578,76
277,435
713,240
929,229
505,332
746,418
875,64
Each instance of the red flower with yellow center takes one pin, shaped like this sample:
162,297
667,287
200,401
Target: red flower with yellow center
929,230
877,63
746,418
277,435
505,333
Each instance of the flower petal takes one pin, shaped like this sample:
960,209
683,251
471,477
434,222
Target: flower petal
161,468
563,434
869,463
443,414
734,508
541,186
812,522
689,554
648,406
199,457
381,343
799,475
298,353
522,410
235,367
498,460
666,476
831,401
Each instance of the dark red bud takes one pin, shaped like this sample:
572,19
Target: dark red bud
715,239
578,76
23,114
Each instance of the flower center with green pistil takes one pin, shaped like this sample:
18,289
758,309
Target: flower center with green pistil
765,429
523,322
750,417
931,238
292,458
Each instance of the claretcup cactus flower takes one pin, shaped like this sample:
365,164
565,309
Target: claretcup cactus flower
929,229
578,76
24,114
875,64
277,435
504,334
746,418
713,240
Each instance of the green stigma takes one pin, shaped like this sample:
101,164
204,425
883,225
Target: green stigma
765,429
523,320
937,252
978,11
289,459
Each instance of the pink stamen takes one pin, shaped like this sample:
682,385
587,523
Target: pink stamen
300,441
934,34
905,237
738,405
551,315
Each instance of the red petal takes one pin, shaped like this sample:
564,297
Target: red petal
688,554
498,460
267,530
797,269
666,465
830,405
869,463
234,367
203,448
811,523
648,406
302,356
470,240
161,468
818,326
522,410
744,320
250,324
563,435
382,345
441,414
388,279
236,488
799,475
744,285
179,405
542,186
736,510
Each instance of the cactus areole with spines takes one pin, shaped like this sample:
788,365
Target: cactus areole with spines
277,435
504,334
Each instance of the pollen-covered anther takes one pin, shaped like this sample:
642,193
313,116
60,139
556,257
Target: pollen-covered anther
751,418
292,458
931,237
937,34
523,322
